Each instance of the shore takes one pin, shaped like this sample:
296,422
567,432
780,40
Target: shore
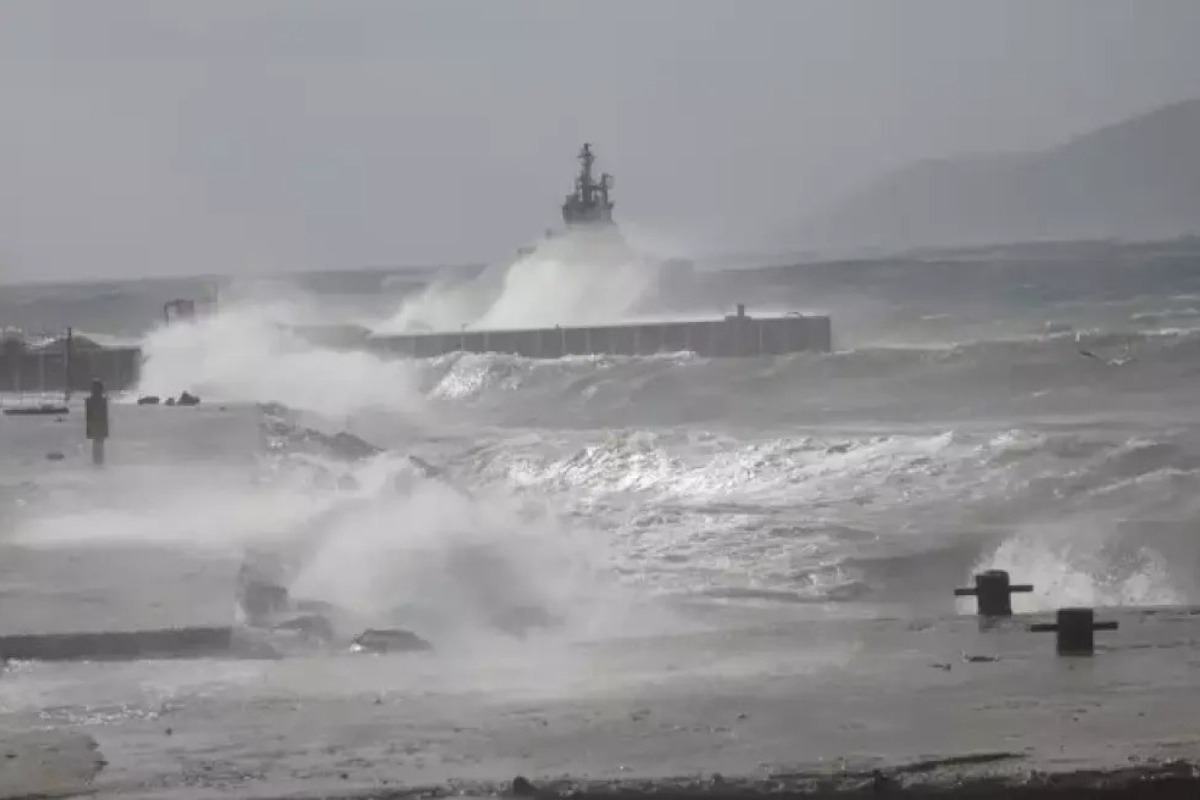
812,709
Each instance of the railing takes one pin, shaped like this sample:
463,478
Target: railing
43,365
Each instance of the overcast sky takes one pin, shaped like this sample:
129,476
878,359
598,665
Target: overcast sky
161,137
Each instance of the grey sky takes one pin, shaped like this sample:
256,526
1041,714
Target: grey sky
161,137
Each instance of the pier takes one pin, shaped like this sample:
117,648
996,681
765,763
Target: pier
737,335
195,642
47,369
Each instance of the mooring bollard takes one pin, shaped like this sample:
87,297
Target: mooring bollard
96,419
1075,628
993,593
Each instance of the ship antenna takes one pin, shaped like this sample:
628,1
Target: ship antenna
585,155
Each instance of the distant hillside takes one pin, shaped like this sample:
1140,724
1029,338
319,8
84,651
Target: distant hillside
1138,179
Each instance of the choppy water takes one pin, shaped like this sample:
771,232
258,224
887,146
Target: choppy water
1039,421
1019,426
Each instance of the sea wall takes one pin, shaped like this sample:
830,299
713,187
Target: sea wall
32,370
734,336
167,643
24,370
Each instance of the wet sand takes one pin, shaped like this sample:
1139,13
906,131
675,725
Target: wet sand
790,709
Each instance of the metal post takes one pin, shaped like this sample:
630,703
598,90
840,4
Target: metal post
1075,629
96,421
993,593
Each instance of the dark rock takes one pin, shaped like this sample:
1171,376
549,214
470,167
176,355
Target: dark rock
258,596
282,434
351,447
970,659
389,640
149,400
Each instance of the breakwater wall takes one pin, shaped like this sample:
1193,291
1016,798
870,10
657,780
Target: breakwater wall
737,335
193,642
36,370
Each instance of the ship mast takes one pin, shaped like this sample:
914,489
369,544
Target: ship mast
584,184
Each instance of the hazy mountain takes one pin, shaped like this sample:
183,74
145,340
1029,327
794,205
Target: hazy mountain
1136,179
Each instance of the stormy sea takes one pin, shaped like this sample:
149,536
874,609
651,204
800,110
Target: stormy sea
1030,408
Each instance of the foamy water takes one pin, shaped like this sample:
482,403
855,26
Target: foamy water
578,278
533,519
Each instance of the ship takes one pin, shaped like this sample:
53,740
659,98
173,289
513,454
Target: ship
589,206
588,209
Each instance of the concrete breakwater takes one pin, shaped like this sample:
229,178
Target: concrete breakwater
737,335
194,642
47,368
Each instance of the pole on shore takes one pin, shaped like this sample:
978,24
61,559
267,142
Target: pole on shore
96,416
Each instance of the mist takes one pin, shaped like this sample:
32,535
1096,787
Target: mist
288,136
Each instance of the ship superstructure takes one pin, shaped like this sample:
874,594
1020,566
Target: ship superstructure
589,204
